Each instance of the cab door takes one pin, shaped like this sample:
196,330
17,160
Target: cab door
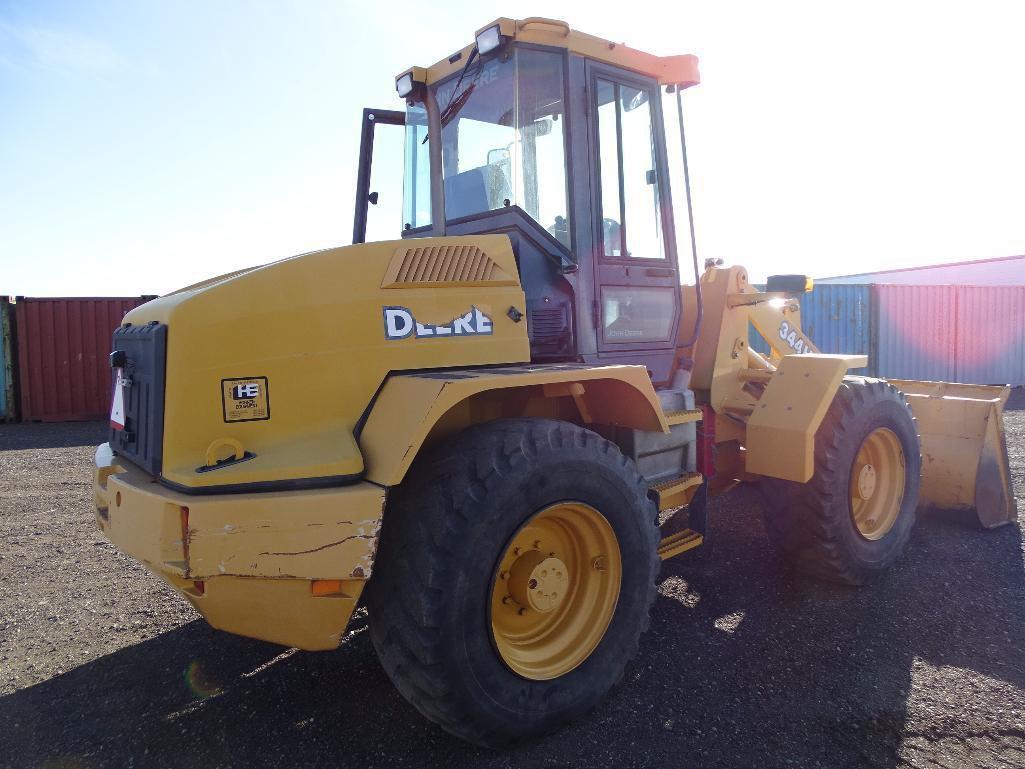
637,285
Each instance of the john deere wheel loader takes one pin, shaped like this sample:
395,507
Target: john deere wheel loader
475,429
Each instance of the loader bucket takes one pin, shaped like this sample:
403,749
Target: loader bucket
964,452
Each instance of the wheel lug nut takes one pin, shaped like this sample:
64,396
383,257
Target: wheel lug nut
507,599
521,611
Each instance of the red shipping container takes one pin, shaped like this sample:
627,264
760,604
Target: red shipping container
63,355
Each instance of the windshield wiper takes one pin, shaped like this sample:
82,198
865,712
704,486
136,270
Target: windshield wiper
456,102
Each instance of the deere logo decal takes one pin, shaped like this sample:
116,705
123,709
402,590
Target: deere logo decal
399,323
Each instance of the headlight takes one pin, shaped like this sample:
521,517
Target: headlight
404,85
489,40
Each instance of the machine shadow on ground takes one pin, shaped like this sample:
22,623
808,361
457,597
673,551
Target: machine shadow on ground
744,665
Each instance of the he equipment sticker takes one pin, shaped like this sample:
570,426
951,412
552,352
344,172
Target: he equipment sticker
245,399
399,323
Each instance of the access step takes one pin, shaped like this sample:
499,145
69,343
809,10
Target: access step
683,416
676,492
680,542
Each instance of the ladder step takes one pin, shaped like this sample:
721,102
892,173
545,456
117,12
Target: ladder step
677,492
683,416
678,543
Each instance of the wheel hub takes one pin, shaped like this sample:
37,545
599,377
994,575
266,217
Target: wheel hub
877,484
555,590
866,481
538,581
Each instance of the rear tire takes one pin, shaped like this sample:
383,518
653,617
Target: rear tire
852,520
448,533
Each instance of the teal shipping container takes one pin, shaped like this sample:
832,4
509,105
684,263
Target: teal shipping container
7,401
6,363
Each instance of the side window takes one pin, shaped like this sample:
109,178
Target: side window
416,191
631,216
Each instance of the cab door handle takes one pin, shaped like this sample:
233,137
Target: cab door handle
659,272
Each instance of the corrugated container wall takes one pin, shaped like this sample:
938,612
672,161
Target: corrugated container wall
63,351
991,334
6,364
916,332
971,334
838,318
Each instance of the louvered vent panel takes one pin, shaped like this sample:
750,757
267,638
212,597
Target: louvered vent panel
444,263
548,323
438,265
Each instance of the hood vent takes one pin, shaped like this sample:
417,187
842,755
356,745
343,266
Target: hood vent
446,265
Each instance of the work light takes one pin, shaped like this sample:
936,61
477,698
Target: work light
489,40
404,85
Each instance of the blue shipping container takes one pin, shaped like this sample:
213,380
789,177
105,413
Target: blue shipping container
837,318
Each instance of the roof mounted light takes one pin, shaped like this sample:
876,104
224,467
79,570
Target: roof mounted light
407,83
489,39
404,85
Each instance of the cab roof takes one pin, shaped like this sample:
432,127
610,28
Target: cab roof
681,70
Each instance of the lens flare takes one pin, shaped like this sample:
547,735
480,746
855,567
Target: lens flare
200,683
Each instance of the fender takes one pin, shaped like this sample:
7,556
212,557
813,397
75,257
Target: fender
416,409
781,430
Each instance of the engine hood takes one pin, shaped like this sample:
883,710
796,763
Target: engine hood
283,360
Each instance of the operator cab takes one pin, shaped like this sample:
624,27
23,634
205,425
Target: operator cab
493,144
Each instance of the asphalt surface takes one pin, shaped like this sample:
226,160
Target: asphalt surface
745,665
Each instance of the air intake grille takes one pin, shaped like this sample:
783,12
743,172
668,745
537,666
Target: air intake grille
428,266
547,323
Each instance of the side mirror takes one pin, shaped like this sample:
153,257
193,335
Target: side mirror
496,156
542,127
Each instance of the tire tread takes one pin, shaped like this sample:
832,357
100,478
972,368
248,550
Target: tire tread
798,516
417,546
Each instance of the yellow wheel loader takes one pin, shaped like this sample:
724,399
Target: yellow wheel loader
477,428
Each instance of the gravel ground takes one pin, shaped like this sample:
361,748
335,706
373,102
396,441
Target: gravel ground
101,665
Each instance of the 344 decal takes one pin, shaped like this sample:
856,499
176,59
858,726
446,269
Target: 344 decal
399,323
793,338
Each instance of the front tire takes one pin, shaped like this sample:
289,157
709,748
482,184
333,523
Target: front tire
461,615
853,519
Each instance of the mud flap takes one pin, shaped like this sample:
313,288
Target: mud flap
964,450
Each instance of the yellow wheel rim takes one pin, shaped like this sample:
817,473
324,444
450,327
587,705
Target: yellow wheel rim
555,591
877,484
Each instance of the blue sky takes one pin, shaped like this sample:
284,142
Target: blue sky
147,145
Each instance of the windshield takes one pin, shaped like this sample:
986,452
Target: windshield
502,142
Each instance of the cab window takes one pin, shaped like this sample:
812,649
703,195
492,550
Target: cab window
631,213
